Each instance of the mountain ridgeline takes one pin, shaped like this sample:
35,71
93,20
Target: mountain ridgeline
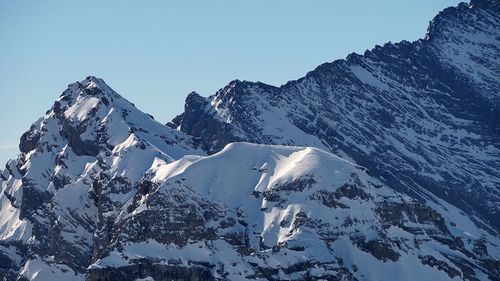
423,116
382,165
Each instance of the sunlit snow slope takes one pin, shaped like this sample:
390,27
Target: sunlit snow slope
260,212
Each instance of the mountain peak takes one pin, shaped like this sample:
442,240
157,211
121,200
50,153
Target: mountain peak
235,83
102,191
84,98
90,86
95,82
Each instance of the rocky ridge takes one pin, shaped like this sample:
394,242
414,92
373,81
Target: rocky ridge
101,191
422,116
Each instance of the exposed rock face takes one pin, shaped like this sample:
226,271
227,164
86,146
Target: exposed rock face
422,116
148,269
101,191
200,121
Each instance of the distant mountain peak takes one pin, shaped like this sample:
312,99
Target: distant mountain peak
89,87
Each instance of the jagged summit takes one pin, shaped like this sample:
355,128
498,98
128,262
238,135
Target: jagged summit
381,163
89,95
90,86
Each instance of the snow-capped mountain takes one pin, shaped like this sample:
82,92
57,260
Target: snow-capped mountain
423,116
78,165
383,166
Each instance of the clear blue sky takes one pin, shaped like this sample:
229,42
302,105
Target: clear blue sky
155,52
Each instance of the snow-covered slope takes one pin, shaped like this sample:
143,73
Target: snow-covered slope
260,212
423,116
101,191
78,165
